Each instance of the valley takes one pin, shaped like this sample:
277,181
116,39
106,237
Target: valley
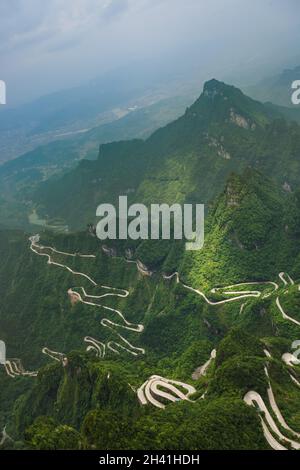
149,232
157,387
140,337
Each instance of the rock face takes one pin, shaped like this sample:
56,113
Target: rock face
232,196
211,93
221,151
201,371
240,121
91,228
143,269
129,253
287,187
109,251
74,297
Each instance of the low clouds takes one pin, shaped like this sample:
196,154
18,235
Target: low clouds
59,43
25,21
36,23
115,8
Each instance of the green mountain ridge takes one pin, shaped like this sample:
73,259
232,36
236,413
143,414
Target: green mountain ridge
19,177
186,161
218,320
180,329
254,229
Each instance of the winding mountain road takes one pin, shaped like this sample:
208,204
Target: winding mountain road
238,295
159,387
57,356
291,361
253,398
15,368
286,282
285,316
241,294
156,390
275,408
80,294
94,345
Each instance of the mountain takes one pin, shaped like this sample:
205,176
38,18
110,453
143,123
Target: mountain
20,176
141,344
76,110
64,406
277,88
254,227
187,160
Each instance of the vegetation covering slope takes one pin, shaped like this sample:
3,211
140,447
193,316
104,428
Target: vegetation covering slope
19,177
188,160
87,400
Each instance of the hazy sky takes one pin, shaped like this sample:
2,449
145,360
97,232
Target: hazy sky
54,44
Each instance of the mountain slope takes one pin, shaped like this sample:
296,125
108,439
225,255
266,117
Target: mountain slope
181,327
160,347
97,102
252,232
188,160
20,176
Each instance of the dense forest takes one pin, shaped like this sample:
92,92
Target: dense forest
91,326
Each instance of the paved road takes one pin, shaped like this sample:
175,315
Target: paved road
237,294
275,408
15,368
159,387
84,297
241,294
290,359
253,398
